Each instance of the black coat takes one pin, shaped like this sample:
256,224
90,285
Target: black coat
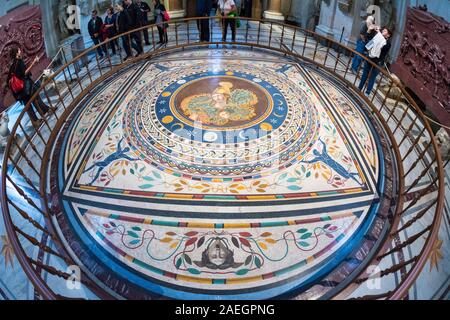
133,15
203,8
94,26
122,22
144,15
18,68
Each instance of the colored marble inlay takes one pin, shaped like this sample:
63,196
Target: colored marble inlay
218,178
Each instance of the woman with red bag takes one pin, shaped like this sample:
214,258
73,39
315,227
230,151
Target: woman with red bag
20,83
161,16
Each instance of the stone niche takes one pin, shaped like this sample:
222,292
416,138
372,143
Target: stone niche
345,5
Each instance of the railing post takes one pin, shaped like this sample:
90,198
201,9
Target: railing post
293,39
270,34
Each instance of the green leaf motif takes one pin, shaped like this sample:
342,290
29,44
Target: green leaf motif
132,171
248,260
132,234
193,271
157,174
135,241
294,188
146,186
258,262
178,263
308,174
147,178
303,230
283,176
290,180
136,228
242,272
306,236
303,244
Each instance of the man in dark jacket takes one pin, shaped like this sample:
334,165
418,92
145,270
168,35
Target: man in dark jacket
94,28
246,8
133,18
145,9
204,10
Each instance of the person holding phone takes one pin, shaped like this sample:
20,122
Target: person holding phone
228,9
365,35
19,70
378,49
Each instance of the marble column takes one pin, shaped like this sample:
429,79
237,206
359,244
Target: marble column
274,12
327,16
303,12
48,26
175,8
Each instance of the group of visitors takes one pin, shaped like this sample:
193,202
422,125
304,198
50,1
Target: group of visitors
374,42
123,18
227,10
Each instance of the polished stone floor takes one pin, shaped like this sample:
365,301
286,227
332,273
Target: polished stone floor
235,175
167,172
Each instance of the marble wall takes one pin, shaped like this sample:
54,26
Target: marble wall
304,12
8,5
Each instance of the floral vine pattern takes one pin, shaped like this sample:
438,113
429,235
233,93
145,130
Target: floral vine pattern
213,252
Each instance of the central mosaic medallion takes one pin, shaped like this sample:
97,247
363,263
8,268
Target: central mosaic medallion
221,124
219,103
206,106
218,179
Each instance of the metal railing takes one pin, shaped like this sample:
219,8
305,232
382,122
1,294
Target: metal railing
26,193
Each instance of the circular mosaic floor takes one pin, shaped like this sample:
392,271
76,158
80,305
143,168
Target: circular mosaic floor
220,175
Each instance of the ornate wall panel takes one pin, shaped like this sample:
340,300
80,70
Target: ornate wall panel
424,61
21,27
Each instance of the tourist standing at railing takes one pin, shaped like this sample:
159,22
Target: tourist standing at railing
123,25
133,18
22,86
159,12
203,10
95,27
227,8
246,8
145,9
378,49
110,27
365,35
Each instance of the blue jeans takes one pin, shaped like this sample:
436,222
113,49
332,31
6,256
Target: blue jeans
360,46
368,68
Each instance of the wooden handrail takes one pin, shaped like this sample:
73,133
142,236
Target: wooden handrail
418,264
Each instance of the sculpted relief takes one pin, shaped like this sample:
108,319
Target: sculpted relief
424,53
